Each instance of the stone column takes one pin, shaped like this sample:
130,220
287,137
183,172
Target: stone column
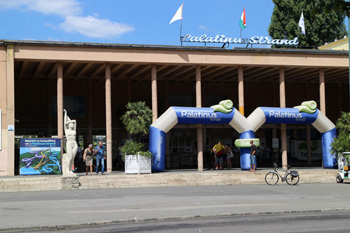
167,97
167,141
90,95
108,117
340,99
199,127
129,90
283,126
322,92
59,100
154,93
308,140
49,103
10,110
240,90
275,152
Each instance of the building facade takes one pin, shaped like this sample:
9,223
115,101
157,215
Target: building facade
94,82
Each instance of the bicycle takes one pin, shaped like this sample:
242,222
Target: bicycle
291,177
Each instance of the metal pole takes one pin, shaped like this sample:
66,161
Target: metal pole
181,32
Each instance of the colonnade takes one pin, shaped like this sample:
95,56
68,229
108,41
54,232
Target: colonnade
198,84
282,96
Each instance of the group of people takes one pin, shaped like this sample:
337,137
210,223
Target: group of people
223,153
88,158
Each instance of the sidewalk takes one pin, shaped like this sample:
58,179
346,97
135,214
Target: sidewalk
65,209
163,179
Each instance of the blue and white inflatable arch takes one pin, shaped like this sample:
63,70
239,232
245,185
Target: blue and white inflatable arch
188,115
246,127
317,119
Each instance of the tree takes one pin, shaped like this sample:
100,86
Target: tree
342,142
320,27
137,118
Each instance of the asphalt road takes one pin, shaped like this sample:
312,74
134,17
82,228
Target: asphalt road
52,209
292,223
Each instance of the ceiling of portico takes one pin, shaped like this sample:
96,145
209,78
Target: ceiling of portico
142,72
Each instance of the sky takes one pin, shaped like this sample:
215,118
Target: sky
130,21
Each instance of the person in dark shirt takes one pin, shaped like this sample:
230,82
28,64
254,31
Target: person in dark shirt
253,152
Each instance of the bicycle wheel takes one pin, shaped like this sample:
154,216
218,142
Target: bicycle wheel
271,178
292,180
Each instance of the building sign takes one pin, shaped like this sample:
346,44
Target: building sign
40,156
259,40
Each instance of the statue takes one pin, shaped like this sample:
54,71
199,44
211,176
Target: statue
70,127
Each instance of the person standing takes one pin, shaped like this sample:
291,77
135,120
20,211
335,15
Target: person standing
218,150
100,154
88,158
253,152
229,155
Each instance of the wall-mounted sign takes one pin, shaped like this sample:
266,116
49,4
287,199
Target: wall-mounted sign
261,40
275,143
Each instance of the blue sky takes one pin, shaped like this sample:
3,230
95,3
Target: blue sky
129,21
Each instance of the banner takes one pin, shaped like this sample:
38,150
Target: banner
40,156
299,150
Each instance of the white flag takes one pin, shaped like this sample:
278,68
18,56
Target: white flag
302,23
178,14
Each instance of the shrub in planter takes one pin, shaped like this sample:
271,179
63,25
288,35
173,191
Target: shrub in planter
136,159
136,120
132,148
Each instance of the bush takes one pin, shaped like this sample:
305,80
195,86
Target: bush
342,142
132,148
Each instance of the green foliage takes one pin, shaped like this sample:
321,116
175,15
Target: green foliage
137,118
342,142
146,153
321,26
132,148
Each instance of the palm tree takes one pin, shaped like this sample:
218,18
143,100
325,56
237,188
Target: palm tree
137,118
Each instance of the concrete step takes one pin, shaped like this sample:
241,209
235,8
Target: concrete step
121,180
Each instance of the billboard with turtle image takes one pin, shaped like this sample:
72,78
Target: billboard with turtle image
40,156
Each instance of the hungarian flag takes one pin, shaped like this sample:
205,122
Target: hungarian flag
178,14
242,22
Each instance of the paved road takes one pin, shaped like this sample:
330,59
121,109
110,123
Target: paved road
337,222
59,208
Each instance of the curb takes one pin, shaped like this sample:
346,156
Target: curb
146,220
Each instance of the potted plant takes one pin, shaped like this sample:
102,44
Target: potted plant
136,120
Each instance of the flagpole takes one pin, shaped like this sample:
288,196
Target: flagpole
240,34
181,32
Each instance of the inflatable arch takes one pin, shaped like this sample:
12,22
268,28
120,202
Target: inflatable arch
246,127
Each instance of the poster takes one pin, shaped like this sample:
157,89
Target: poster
40,156
299,150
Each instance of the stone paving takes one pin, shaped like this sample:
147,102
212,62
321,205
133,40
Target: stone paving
164,179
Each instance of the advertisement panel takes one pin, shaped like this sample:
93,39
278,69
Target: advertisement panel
187,115
288,116
299,150
40,156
